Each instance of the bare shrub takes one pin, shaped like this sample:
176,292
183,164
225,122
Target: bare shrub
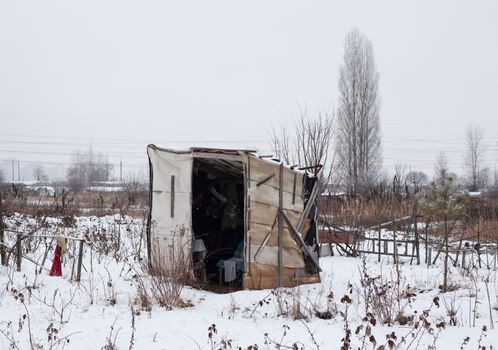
233,308
166,276
103,241
289,303
364,331
386,299
143,298
292,303
324,309
133,186
346,340
451,310
59,304
420,327
110,341
222,344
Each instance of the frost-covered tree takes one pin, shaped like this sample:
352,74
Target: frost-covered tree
358,135
444,203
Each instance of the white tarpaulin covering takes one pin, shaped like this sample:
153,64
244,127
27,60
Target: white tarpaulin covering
171,214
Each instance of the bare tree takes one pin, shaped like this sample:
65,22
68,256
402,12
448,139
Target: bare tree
417,179
476,175
311,143
133,186
358,136
399,184
39,174
280,144
88,167
313,137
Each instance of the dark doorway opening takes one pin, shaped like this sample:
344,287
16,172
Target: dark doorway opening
218,222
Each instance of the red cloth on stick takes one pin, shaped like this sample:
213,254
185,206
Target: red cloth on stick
56,269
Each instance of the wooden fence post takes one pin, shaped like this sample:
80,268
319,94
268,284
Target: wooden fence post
488,265
280,226
80,261
3,255
395,247
426,244
417,242
479,243
378,221
18,252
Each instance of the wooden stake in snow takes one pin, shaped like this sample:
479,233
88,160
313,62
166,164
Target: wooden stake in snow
3,256
280,226
491,322
80,261
18,252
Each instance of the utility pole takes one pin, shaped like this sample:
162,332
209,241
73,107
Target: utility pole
121,171
13,178
18,171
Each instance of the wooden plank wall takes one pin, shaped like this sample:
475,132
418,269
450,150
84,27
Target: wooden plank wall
262,208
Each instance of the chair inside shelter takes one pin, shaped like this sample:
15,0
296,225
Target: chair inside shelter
218,221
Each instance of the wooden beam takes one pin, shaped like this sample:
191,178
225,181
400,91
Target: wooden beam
309,205
172,211
267,238
261,246
265,180
3,255
300,239
338,228
280,226
294,190
383,253
80,261
18,252
318,166
45,236
390,222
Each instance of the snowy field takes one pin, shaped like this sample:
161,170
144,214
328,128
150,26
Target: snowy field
406,309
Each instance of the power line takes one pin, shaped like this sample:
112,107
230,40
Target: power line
90,140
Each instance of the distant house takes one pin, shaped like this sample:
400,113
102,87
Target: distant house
225,204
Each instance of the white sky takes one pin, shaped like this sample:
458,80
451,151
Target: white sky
122,74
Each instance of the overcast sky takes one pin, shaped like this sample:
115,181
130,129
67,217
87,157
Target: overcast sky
122,74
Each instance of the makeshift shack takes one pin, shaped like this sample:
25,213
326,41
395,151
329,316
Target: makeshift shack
240,218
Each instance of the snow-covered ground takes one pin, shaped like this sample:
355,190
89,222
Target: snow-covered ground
103,309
